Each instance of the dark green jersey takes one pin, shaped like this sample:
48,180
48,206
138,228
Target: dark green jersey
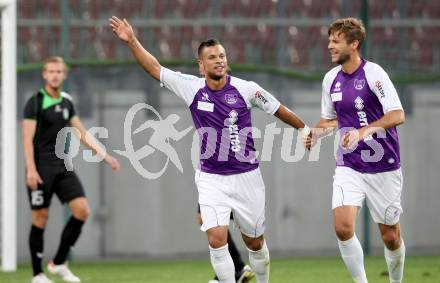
52,115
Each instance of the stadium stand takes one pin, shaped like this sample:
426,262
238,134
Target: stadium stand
302,46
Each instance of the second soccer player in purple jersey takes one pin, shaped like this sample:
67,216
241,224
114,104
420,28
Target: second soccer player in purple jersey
359,98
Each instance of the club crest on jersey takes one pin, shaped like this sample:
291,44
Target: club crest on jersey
359,84
337,87
65,113
58,108
231,98
359,103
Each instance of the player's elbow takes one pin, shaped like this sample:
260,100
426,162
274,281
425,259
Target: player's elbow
396,117
400,117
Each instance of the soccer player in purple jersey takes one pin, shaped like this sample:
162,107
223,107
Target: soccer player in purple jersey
359,98
229,179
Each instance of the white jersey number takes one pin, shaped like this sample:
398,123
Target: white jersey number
37,197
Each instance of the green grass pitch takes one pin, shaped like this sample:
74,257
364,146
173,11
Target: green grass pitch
296,270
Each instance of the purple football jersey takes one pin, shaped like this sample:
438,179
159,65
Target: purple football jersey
222,119
357,100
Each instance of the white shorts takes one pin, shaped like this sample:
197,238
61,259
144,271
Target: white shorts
382,191
242,194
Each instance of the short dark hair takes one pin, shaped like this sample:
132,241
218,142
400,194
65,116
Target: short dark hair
352,28
207,43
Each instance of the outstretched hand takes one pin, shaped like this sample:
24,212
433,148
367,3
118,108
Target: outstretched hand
310,140
112,162
122,29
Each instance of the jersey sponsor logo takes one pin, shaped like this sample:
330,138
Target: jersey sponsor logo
233,131
363,121
337,96
231,98
205,106
337,87
359,84
260,96
380,89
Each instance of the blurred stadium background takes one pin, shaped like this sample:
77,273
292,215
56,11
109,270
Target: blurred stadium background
282,45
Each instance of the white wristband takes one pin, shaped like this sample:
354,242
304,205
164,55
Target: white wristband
305,132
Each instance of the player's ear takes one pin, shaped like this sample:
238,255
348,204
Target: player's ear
201,68
43,74
355,44
65,74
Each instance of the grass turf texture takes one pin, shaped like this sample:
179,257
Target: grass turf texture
297,270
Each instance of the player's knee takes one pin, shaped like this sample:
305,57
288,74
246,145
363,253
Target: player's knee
217,241
391,239
344,231
217,236
81,213
39,217
254,244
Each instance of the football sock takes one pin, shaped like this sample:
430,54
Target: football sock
222,264
70,234
395,262
353,256
36,244
260,262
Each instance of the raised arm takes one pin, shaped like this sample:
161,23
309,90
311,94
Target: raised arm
123,30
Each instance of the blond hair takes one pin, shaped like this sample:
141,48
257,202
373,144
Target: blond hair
55,59
352,29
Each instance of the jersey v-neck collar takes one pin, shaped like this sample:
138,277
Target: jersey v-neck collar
228,81
48,100
360,67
